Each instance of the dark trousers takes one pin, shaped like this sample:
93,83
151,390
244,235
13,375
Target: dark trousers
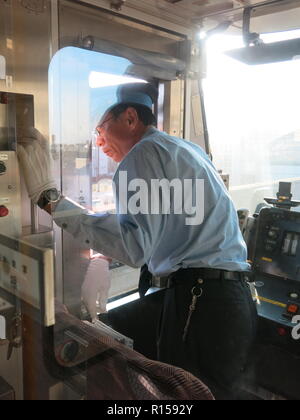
221,332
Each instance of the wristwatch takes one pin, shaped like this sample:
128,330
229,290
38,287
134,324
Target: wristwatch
49,196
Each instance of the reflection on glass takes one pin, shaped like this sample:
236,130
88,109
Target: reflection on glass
100,79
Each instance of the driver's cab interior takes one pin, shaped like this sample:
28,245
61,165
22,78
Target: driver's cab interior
227,77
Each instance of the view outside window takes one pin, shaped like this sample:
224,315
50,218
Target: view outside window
253,120
83,85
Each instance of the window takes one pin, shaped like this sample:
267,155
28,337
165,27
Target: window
83,85
253,120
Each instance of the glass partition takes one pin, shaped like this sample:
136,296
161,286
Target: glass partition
83,85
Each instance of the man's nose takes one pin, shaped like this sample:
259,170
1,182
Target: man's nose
100,141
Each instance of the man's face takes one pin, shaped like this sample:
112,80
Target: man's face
111,137
117,136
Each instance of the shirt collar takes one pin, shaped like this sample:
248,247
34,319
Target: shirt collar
151,130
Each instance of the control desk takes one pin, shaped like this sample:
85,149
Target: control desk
277,265
275,253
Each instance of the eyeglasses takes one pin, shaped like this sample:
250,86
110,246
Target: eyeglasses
99,128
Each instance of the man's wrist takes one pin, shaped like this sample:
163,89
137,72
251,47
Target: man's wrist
48,208
48,198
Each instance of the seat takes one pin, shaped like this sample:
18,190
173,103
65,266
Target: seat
117,372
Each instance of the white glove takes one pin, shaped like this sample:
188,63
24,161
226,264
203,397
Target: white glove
96,286
36,163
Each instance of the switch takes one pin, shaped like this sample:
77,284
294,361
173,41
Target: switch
2,168
4,211
293,309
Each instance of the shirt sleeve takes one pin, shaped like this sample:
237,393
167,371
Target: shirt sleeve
123,236
100,232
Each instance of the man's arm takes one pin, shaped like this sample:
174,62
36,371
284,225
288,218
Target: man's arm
101,232
127,238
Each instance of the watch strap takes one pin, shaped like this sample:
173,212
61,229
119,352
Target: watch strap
44,200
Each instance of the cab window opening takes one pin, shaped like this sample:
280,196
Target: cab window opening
253,120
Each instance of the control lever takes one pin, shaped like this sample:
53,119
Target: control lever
284,197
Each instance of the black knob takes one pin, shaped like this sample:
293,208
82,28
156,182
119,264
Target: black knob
2,168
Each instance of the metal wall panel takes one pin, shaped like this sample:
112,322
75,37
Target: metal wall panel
80,21
25,43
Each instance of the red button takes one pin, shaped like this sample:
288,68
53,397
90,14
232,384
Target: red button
4,211
293,309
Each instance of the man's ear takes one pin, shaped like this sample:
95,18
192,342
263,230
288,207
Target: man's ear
132,118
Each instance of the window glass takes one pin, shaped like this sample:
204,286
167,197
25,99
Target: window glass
83,85
253,120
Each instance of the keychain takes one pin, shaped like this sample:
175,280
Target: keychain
196,295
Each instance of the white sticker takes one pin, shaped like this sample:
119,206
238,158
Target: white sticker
2,328
2,67
3,157
4,201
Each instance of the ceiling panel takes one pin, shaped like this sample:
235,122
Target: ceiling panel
194,9
183,16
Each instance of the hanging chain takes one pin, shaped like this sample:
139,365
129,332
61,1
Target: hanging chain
196,293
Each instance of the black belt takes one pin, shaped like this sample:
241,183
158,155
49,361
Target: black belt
205,273
211,274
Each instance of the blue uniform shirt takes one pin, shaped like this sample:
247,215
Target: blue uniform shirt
165,242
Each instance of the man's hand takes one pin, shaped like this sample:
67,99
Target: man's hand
96,286
36,163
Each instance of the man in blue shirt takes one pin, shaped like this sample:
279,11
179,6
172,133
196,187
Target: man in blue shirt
175,216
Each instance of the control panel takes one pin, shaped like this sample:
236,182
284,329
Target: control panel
16,113
276,261
27,272
10,194
274,248
278,243
277,300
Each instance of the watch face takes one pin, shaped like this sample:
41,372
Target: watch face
52,195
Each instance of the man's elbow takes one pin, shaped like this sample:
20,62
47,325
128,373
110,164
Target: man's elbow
136,261
136,256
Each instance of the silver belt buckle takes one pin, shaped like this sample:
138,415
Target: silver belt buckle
160,282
